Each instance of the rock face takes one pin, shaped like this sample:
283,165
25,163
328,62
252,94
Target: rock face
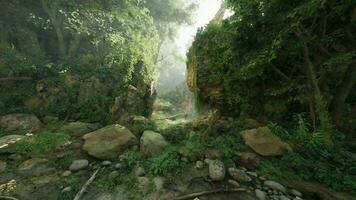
35,167
217,170
14,122
79,128
152,143
109,142
264,142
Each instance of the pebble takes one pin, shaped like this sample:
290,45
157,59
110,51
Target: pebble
275,186
118,166
296,193
79,165
66,173
66,189
106,163
260,194
199,164
284,198
234,183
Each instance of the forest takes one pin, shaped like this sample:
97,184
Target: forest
97,100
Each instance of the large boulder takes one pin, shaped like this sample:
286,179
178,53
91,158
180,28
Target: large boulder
79,128
264,142
14,122
152,143
109,142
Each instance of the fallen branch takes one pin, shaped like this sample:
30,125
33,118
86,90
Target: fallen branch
198,194
7,198
85,186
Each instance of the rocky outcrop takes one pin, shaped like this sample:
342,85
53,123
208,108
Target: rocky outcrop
264,142
109,142
152,143
17,121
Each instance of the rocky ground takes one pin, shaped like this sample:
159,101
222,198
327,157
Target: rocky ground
55,160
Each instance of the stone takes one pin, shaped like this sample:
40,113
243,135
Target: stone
78,165
118,166
143,182
213,154
275,186
159,182
239,175
40,181
35,167
7,140
260,194
3,165
207,161
252,174
106,163
234,183
284,198
152,143
249,160
78,129
136,124
66,189
16,157
66,173
17,121
217,170
50,119
139,171
199,164
264,142
296,192
109,142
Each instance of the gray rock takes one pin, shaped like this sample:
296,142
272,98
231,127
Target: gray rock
217,170
284,198
66,189
106,163
66,173
260,194
252,174
275,186
239,175
152,143
79,165
234,183
296,193
35,167
3,165
16,157
199,164
159,182
118,166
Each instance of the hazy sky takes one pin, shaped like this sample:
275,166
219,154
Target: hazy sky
206,11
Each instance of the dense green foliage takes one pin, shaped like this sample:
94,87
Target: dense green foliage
77,59
275,58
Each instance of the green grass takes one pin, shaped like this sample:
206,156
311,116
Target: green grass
41,143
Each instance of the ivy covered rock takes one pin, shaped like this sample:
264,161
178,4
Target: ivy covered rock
18,121
109,142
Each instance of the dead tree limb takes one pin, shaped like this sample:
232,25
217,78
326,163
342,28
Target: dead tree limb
85,186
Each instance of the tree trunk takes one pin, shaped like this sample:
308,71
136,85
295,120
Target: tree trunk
342,92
